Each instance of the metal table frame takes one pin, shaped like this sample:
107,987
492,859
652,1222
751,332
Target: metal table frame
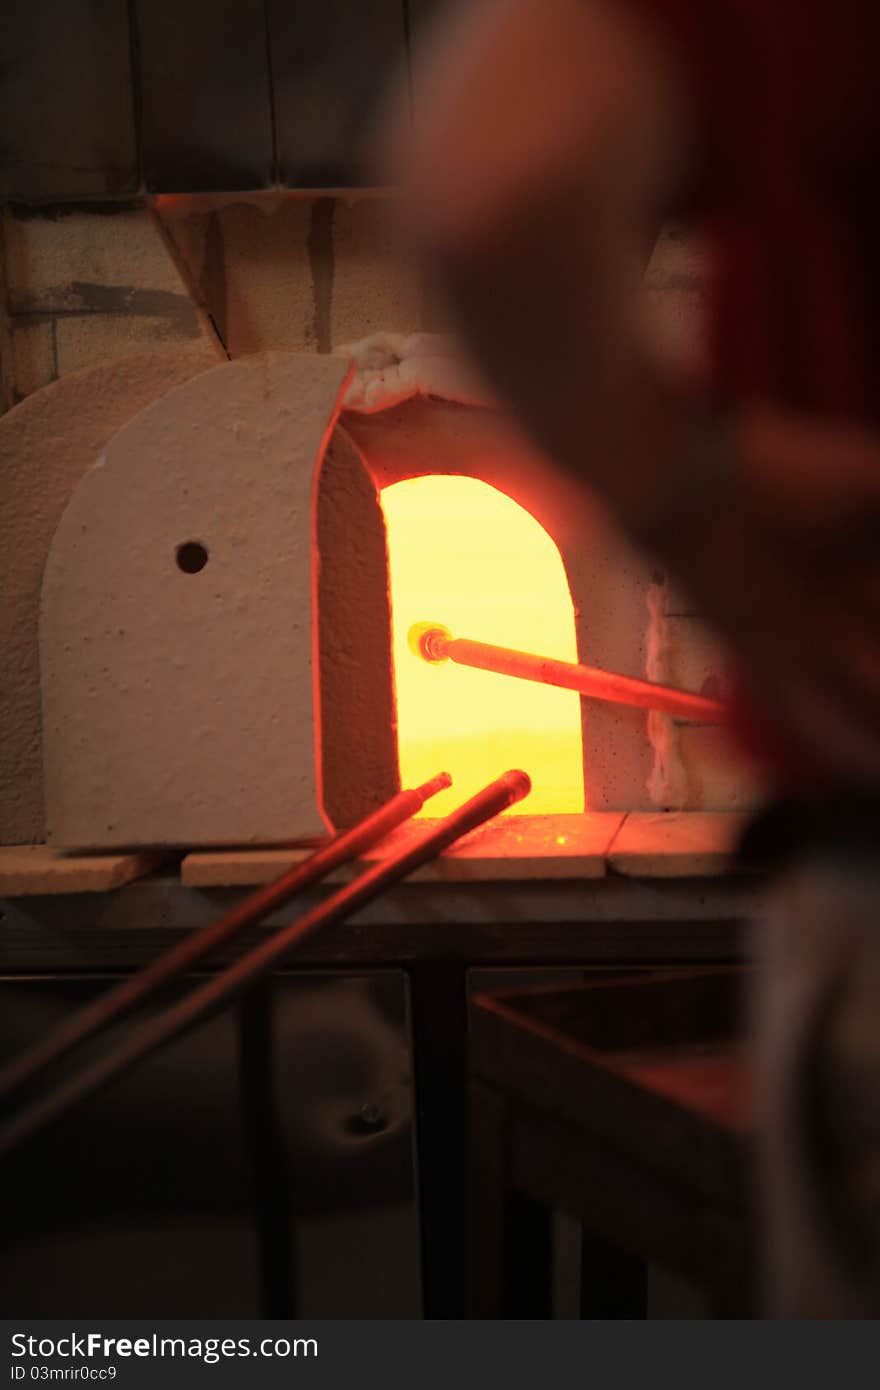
436,933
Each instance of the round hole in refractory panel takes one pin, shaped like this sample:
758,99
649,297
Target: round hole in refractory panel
192,556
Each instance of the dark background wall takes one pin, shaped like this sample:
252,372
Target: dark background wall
107,98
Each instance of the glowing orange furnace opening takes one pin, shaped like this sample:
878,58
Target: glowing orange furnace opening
462,553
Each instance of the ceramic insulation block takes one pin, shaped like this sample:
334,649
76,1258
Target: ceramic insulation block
176,635
47,444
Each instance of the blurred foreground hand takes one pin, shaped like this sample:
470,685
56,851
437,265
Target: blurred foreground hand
551,139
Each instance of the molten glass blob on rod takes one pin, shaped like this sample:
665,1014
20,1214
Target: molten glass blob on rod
436,643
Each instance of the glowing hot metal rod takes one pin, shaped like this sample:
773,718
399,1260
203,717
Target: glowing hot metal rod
436,643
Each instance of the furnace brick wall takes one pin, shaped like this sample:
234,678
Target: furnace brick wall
301,274
675,295
86,286
696,659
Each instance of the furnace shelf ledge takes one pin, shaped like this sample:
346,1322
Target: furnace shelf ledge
688,844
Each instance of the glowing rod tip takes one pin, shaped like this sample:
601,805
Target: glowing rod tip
519,783
428,640
435,785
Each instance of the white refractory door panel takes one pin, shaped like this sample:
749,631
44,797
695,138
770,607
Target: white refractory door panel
176,627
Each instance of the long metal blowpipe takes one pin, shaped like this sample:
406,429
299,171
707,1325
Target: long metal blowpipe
225,986
110,1006
436,643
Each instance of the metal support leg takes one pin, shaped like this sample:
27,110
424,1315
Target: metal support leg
527,1269
273,1212
510,1234
614,1284
438,1005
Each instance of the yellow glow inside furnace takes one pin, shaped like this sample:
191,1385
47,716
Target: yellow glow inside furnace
463,554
